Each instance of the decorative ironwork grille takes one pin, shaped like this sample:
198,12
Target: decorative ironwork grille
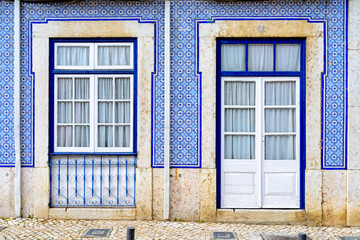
92,181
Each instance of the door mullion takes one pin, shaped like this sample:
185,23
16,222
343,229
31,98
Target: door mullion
259,138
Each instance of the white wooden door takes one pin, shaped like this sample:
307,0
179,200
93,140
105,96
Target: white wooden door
260,142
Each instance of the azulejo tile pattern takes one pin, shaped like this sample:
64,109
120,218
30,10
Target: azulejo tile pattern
185,80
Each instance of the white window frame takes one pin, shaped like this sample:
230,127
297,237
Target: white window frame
130,66
93,116
91,55
113,124
93,58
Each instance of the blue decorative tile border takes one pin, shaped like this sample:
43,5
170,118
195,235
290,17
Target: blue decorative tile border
185,94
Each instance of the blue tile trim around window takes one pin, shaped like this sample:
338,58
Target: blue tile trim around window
185,78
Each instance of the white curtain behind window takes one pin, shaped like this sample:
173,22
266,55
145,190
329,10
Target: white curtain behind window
64,112
288,57
232,57
239,120
280,120
81,113
105,112
122,112
113,55
73,56
260,57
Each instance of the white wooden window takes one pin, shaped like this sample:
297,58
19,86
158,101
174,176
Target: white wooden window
93,106
94,56
93,113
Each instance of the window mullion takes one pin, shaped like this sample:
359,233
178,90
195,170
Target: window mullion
94,108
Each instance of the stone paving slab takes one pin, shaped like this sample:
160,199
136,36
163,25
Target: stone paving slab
75,229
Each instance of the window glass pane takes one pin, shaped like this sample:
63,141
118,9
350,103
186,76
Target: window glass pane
288,57
82,136
122,88
260,57
105,136
239,120
73,55
239,93
240,147
64,136
105,88
64,112
81,112
233,57
82,88
280,120
122,112
280,147
280,93
64,90
113,55
105,112
122,136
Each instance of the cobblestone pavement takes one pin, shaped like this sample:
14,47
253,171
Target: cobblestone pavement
75,229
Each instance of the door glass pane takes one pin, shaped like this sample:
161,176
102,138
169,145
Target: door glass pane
280,120
233,57
105,136
239,120
73,55
82,136
113,55
261,57
64,136
122,88
280,147
280,93
240,147
239,93
64,88
82,88
122,136
288,57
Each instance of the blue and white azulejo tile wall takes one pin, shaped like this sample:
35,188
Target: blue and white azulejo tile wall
185,79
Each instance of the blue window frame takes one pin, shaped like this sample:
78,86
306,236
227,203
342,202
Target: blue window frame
108,69
244,70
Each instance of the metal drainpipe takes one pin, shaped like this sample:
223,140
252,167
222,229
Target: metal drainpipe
167,113
17,107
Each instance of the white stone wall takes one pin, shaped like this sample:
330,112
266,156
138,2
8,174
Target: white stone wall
353,173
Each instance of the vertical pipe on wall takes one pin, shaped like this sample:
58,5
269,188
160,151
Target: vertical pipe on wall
17,107
167,113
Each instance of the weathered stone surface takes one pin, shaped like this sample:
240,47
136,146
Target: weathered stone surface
93,213
334,198
353,80
313,197
314,68
41,192
143,193
7,183
353,203
353,138
184,194
261,216
158,193
354,22
208,195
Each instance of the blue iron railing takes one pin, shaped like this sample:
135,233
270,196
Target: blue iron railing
92,181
